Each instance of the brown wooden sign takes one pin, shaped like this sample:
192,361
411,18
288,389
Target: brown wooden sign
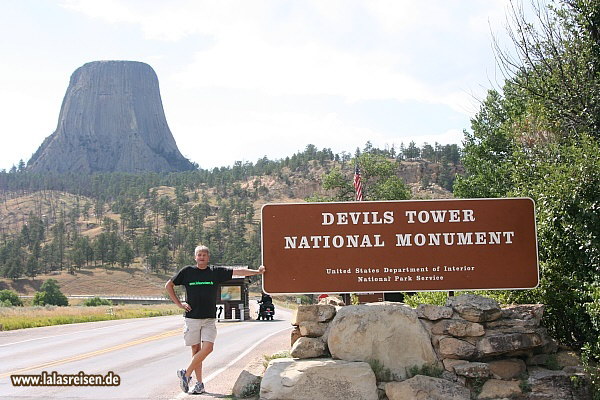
395,246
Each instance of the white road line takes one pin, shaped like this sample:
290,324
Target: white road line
238,358
68,333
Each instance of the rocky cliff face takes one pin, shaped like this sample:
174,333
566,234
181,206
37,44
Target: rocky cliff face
111,119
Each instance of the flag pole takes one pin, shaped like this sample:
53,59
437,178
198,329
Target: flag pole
358,196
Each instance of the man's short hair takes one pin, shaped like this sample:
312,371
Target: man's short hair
200,248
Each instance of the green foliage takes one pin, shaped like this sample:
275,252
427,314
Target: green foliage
50,294
382,374
555,66
436,298
9,298
592,349
34,317
251,390
476,385
539,139
379,177
338,182
432,370
379,180
524,384
97,301
564,184
592,369
487,155
439,298
280,354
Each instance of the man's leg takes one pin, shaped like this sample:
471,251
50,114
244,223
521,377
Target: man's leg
199,353
195,349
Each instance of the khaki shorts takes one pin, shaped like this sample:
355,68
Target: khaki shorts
199,330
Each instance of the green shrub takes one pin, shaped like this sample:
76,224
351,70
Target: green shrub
476,386
382,374
281,354
97,301
9,298
592,368
436,298
50,294
425,369
524,385
251,390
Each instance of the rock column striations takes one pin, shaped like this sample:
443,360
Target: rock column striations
111,119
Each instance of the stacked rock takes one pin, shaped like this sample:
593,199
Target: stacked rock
501,353
469,348
309,337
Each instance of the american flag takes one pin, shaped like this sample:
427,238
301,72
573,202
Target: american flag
358,184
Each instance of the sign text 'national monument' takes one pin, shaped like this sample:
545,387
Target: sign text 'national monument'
400,246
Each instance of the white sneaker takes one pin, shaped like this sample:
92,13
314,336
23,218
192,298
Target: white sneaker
199,388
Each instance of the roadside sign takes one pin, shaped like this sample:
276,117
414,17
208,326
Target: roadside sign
393,246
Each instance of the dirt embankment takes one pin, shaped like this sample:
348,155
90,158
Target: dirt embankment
95,281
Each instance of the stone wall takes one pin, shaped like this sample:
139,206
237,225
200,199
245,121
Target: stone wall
469,349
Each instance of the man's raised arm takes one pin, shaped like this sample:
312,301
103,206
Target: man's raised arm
249,272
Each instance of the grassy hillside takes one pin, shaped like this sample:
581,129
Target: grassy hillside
132,242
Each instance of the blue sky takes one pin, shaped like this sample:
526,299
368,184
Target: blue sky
244,79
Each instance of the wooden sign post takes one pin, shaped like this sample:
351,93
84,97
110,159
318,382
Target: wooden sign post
393,246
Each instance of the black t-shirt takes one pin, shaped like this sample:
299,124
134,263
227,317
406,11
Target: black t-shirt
201,288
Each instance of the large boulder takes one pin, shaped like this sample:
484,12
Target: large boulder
248,382
332,300
508,343
295,335
290,379
458,328
450,347
312,328
567,359
433,312
313,313
497,389
510,368
426,388
475,308
525,314
554,385
307,347
388,332
472,370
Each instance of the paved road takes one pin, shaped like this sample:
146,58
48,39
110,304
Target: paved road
145,354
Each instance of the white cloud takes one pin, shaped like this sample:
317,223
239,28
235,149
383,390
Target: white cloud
312,69
174,19
276,135
299,51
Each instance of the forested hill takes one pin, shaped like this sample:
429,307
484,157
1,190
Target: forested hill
69,223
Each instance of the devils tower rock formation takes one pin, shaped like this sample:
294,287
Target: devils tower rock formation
111,119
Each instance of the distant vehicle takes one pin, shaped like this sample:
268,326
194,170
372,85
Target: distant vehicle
266,312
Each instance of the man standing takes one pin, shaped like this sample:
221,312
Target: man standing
201,283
